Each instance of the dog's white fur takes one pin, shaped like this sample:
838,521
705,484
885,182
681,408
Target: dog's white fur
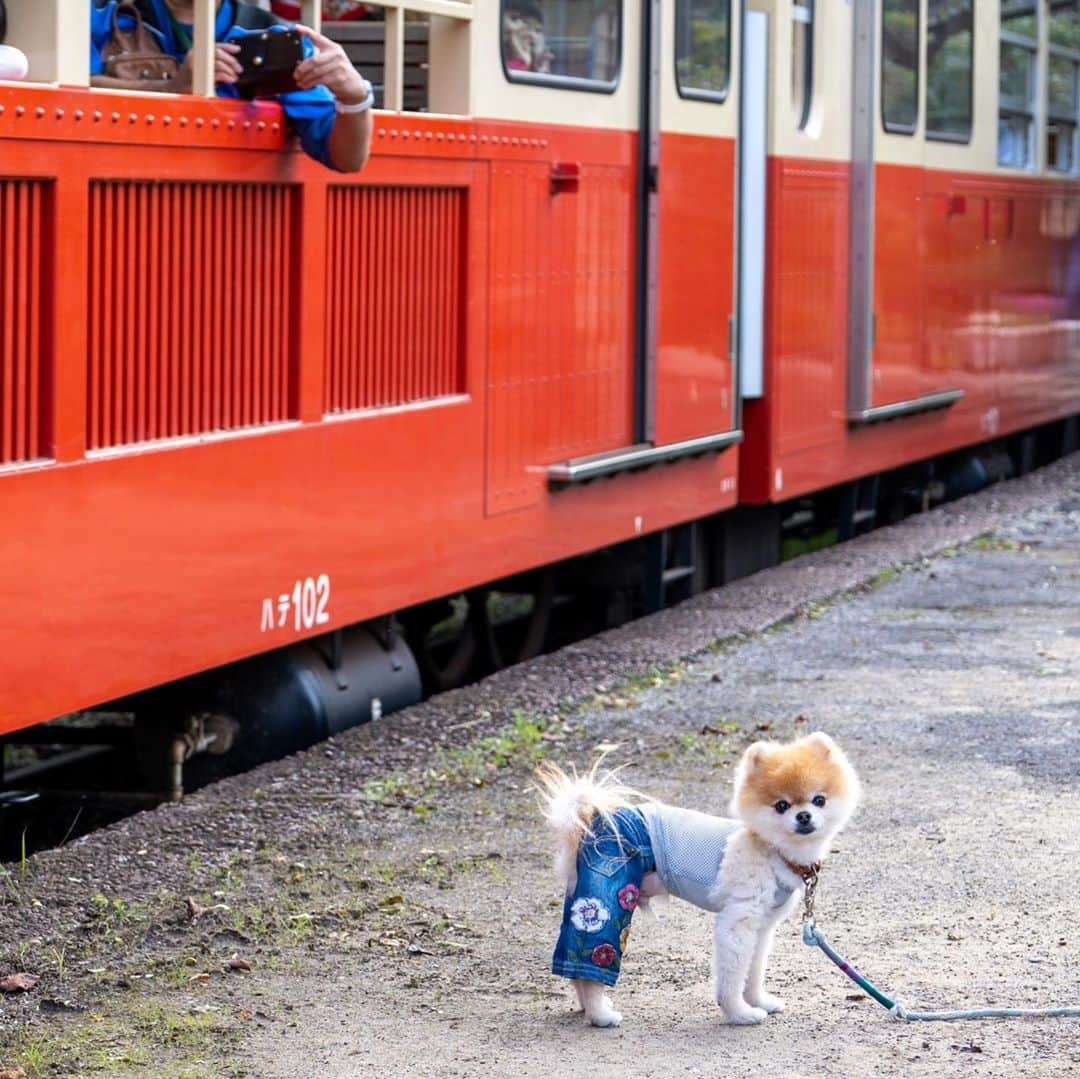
755,861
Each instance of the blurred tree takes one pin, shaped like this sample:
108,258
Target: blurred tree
948,67
702,28
900,67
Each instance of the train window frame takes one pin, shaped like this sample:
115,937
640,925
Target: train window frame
700,93
447,13
890,126
1058,120
802,26
59,48
948,136
566,82
1012,108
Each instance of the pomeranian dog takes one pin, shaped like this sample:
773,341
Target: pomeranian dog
615,851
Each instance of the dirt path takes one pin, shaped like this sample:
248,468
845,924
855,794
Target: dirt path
401,922
956,688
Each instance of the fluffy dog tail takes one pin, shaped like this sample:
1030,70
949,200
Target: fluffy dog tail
571,803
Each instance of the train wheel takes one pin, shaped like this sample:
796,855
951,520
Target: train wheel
443,637
512,622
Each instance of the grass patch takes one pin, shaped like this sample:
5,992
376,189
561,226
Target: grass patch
191,1029
710,745
13,882
392,789
796,546
521,742
991,542
624,694
175,1041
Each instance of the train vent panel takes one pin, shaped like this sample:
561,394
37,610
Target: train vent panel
190,317
395,302
23,302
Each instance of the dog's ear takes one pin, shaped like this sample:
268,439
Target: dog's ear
755,755
821,742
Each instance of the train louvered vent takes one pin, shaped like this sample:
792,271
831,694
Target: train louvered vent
395,260
190,326
22,308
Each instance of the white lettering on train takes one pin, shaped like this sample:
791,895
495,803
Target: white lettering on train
304,607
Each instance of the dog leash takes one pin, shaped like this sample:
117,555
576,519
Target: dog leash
813,937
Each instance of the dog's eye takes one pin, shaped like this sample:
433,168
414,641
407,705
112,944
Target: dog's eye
782,806
819,800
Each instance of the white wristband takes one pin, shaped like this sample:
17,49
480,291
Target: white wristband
360,106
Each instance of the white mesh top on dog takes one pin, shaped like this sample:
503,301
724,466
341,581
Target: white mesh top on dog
689,848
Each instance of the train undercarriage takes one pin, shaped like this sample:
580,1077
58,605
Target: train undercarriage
78,772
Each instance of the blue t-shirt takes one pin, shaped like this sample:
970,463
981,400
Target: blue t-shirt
310,112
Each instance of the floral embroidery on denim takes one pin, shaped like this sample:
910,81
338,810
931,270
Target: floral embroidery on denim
603,955
589,915
597,913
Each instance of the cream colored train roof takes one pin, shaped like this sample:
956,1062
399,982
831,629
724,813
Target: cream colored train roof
467,77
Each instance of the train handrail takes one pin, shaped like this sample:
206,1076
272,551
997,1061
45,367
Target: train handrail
632,458
914,406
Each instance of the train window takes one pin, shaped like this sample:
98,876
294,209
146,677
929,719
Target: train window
949,53
365,43
802,59
1065,24
1017,83
573,44
900,65
1063,77
703,48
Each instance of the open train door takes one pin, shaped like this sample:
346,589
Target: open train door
688,197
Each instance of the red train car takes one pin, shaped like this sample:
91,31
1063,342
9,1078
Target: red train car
614,266
920,237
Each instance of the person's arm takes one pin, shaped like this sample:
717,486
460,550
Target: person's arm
350,137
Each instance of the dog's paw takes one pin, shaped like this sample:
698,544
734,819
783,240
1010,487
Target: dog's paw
768,1002
609,1018
744,1016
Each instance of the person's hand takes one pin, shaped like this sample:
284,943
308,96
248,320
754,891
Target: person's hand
330,67
227,68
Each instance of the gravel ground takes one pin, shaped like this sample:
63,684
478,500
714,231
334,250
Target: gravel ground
391,892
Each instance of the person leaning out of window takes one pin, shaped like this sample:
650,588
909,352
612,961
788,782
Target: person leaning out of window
331,109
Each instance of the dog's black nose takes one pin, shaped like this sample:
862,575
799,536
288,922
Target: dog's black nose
803,817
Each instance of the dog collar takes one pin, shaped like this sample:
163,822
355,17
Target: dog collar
804,872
